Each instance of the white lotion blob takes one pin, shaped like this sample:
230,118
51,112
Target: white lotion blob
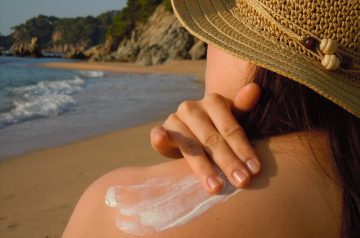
110,198
162,203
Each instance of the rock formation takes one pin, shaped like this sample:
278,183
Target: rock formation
198,50
76,54
32,49
160,39
102,52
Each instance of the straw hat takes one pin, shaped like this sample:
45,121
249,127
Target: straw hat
315,43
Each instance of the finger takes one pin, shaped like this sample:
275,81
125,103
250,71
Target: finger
194,154
246,99
201,126
234,135
161,143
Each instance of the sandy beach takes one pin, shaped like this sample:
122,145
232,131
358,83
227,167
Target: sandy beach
194,68
39,190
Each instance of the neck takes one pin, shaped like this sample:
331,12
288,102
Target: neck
306,148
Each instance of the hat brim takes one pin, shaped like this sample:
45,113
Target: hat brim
213,22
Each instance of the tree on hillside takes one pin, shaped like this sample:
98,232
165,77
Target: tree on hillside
40,26
87,30
107,18
167,4
6,41
136,11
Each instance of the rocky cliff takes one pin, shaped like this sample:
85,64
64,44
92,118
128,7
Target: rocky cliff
31,49
145,40
59,35
160,39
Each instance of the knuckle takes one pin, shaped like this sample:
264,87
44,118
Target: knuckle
215,98
228,130
212,140
212,99
186,107
171,118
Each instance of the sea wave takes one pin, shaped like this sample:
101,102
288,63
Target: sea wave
92,74
44,99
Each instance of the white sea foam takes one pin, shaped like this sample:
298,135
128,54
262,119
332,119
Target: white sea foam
92,74
44,99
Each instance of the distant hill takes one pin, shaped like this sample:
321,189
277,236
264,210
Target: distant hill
52,31
83,32
145,31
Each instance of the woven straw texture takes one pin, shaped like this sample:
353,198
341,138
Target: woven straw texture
270,33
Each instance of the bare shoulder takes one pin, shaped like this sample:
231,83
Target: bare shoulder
292,197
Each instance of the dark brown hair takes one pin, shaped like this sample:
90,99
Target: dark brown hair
286,106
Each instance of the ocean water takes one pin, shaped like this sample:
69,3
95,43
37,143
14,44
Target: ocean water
42,107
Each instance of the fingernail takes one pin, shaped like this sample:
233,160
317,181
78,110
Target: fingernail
253,165
213,183
239,177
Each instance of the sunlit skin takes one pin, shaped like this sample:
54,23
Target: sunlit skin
226,74
295,195
212,132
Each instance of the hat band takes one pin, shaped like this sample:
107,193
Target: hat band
280,30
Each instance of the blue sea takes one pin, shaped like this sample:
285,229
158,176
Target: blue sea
42,107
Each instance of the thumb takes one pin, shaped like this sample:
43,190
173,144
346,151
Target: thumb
246,99
161,143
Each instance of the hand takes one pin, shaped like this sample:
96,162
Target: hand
206,132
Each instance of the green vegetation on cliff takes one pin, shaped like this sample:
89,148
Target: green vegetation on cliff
84,31
136,11
167,4
50,31
40,26
6,41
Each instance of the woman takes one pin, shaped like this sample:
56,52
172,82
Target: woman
305,130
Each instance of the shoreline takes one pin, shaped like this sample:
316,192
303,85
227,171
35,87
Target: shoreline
39,189
194,68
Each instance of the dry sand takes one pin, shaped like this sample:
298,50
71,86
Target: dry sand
39,190
181,67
